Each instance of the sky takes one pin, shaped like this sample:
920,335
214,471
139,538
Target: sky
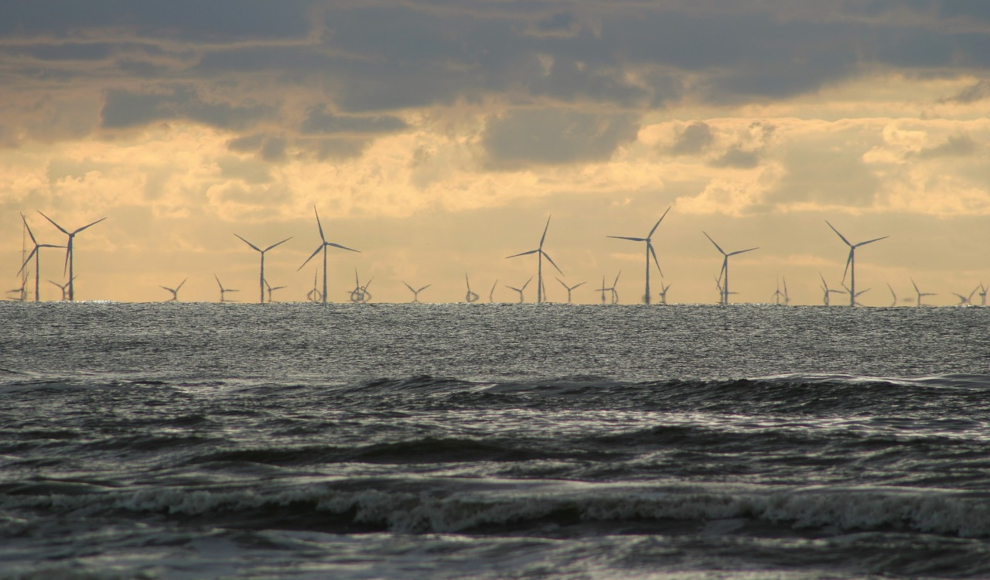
438,136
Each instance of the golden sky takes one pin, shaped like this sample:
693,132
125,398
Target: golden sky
437,137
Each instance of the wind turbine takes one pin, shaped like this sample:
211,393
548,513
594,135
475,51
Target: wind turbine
615,293
851,262
36,252
323,246
983,294
175,291
360,294
314,294
569,288
223,291
855,302
963,300
777,294
663,292
64,288
724,274
539,269
471,297
68,251
491,293
893,295
261,281
603,290
920,293
271,289
520,290
416,292
649,252
21,292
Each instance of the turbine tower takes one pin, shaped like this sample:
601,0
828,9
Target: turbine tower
323,246
520,290
650,252
569,288
539,269
261,280
174,291
851,262
416,292
36,253
69,253
920,293
723,277
223,291
471,297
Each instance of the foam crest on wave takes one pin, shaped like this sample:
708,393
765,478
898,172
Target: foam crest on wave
408,507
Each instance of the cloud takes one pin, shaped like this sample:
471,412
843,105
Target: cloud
955,146
554,136
319,121
694,139
124,109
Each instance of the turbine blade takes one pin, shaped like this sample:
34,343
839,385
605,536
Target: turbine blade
523,254
870,241
837,233
30,233
628,238
410,288
54,224
848,263
278,243
180,285
319,225
544,237
649,246
311,256
218,282
743,251
915,286
68,252
31,255
547,256
561,282
424,288
527,283
343,247
658,222
574,287
88,226
256,248
719,248
616,280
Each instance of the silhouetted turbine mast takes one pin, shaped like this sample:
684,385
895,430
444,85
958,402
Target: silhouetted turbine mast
36,253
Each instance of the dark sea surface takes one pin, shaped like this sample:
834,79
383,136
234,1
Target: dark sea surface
493,441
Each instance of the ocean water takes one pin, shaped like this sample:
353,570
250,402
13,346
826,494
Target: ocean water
493,441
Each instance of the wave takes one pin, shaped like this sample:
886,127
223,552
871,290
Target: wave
409,506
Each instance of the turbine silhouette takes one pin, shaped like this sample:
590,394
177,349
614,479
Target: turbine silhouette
893,295
723,277
323,246
603,290
963,300
360,294
69,253
650,252
663,292
314,294
471,297
520,290
539,269
491,293
569,288
64,288
920,293
271,289
849,291
175,291
416,292
261,278
36,253
851,262
615,293
223,291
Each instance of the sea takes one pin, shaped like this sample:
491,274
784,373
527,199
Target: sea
490,441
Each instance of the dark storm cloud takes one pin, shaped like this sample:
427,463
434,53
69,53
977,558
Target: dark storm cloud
971,94
320,121
384,56
955,146
553,136
694,139
124,109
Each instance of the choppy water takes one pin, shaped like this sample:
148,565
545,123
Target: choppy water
493,441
